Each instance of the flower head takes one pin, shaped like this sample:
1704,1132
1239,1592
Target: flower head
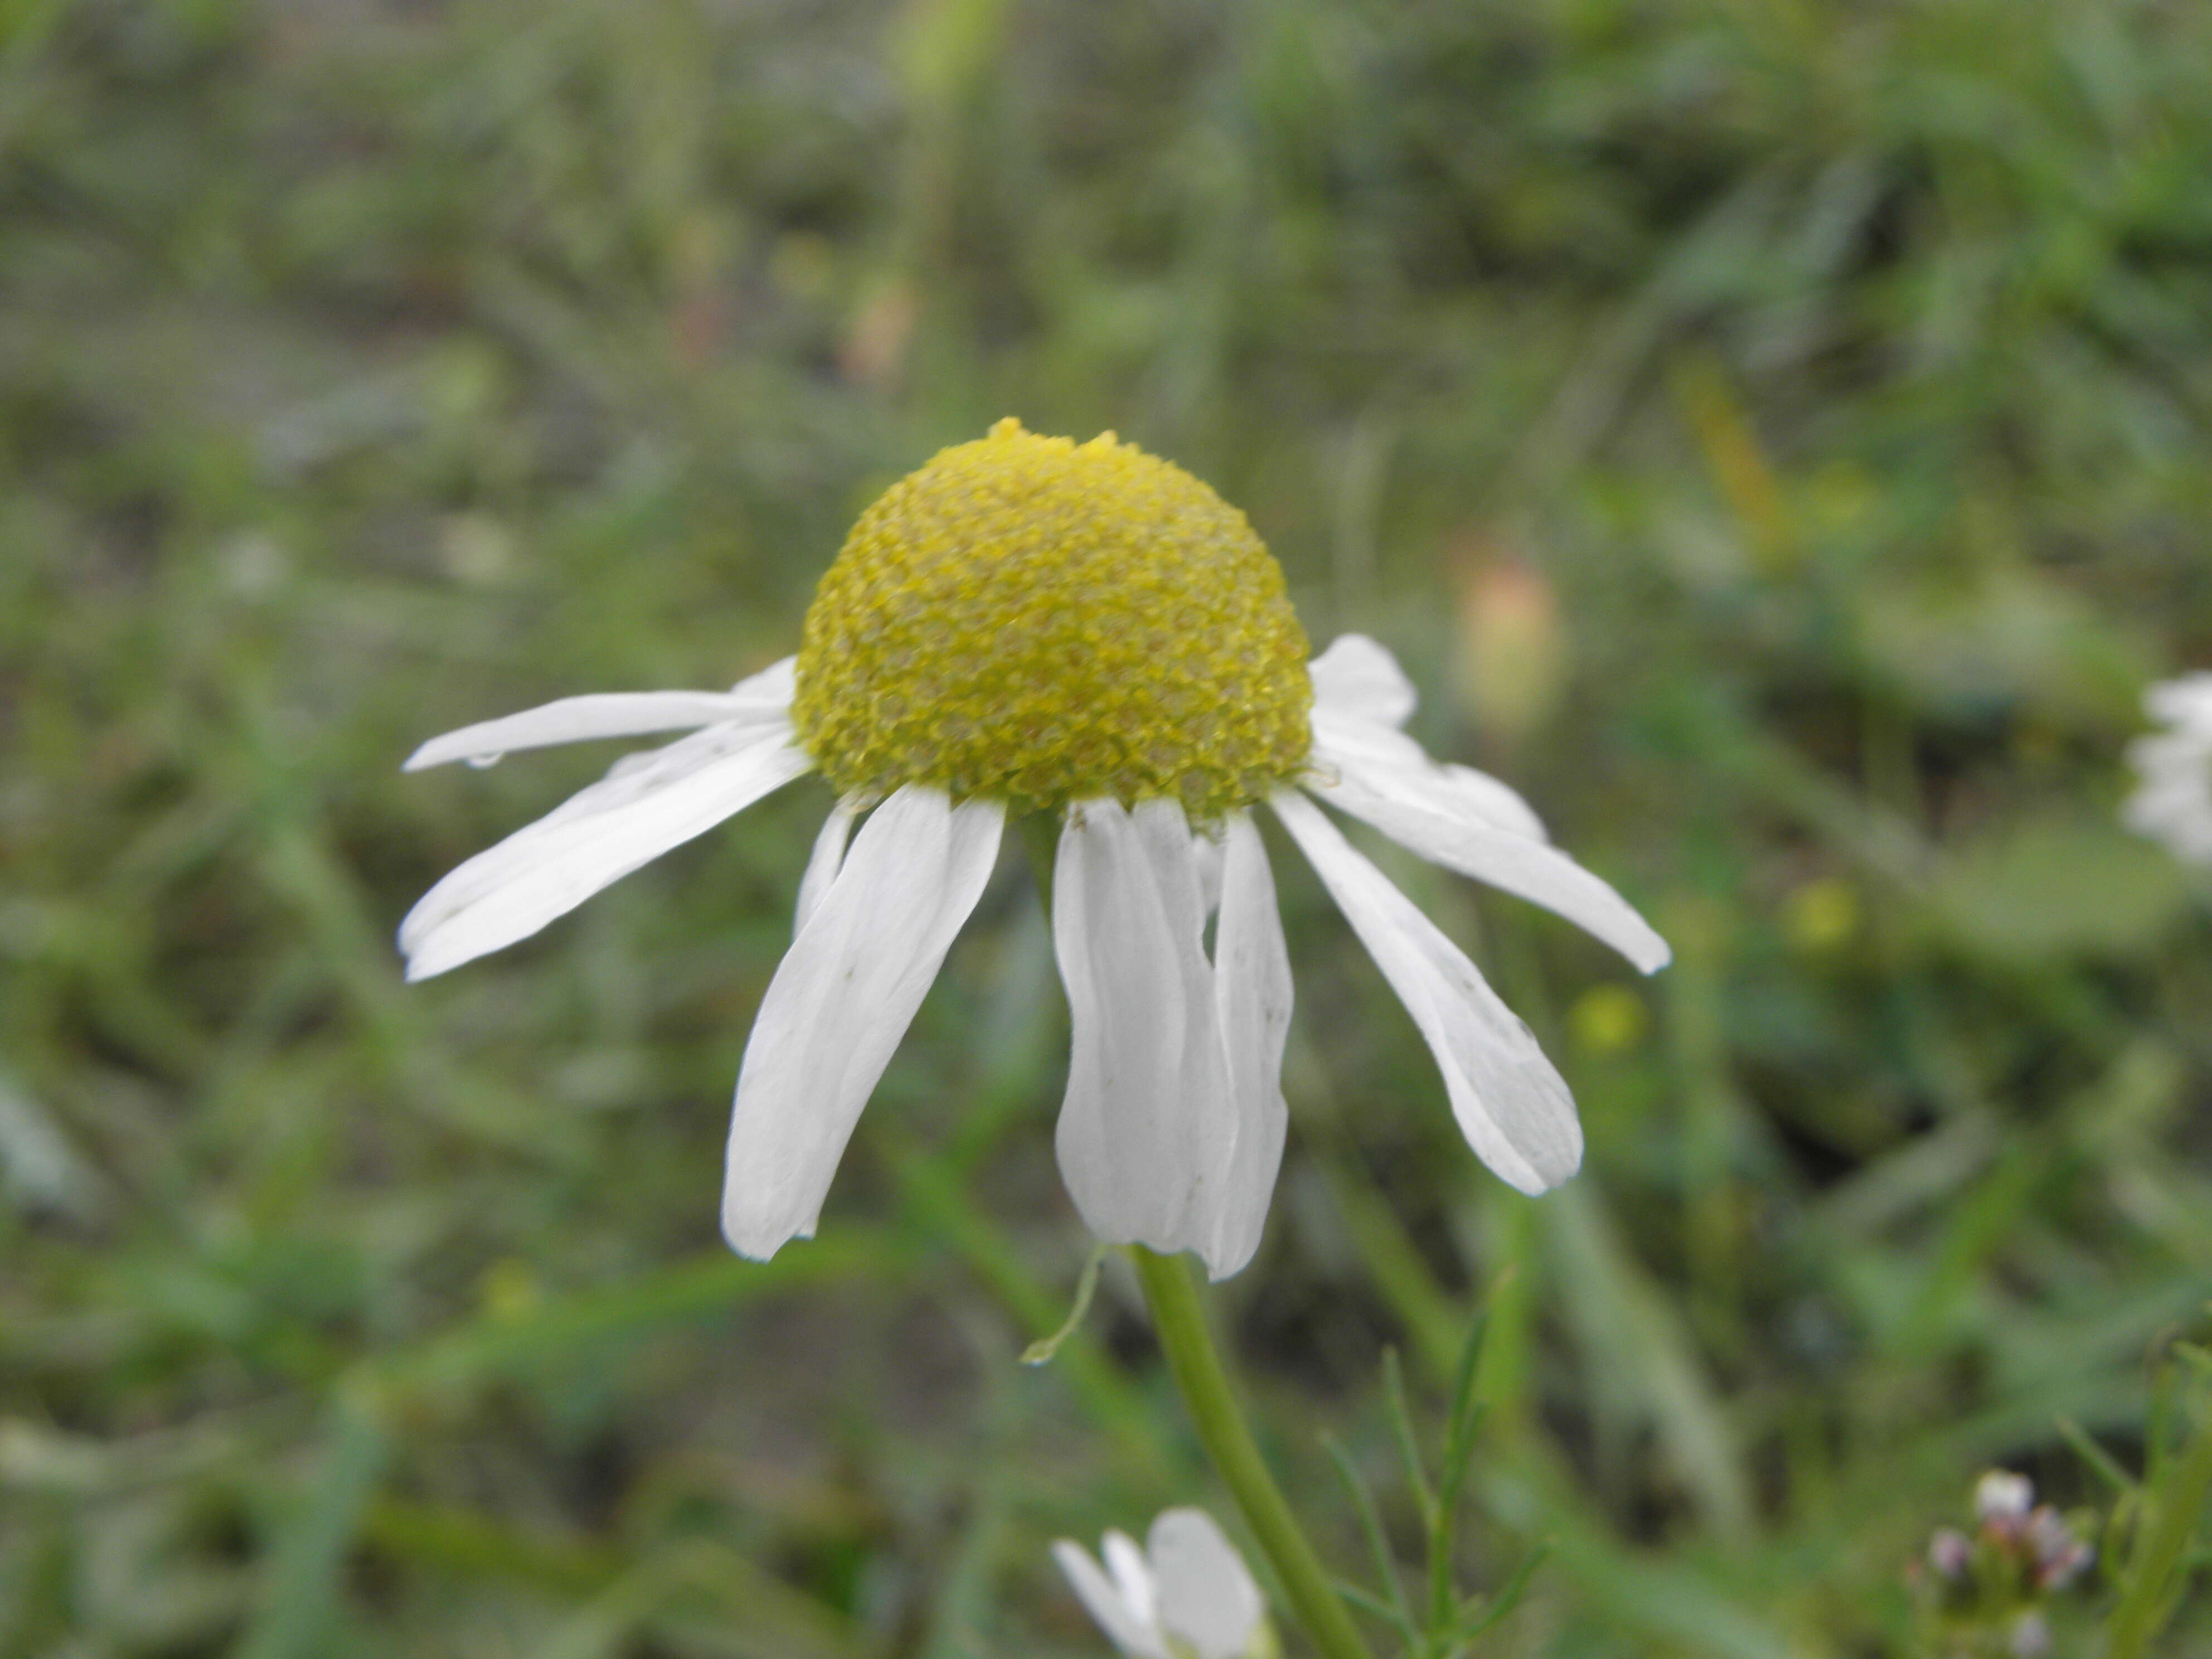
1029,625
1043,622
2172,803
1187,1595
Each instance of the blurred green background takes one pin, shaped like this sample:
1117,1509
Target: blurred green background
1774,435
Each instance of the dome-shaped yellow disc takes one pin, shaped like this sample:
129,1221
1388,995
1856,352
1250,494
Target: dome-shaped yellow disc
1042,621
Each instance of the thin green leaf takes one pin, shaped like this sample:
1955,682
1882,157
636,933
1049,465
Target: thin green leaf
301,1589
1463,1426
1040,1352
1368,1603
1401,1425
1378,1544
2155,1576
2100,1462
1466,1406
1489,1611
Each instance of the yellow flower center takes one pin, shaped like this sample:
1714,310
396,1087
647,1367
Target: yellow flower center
1038,621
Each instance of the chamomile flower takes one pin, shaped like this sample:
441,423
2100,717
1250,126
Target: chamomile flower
2173,805
1187,1595
1029,625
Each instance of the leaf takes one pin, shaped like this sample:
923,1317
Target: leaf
2055,887
301,1583
1639,1357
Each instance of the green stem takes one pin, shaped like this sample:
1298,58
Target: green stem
2152,1592
1180,1322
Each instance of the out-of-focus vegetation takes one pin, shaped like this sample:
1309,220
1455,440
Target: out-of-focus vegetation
1775,436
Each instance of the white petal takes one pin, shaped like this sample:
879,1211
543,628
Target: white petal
2172,785
1103,1601
1133,1576
822,866
772,687
1207,1596
1432,812
1341,739
1252,992
1148,1131
1492,799
1512,1106
577,720
1333,728
1207,852
2186,703
598,836
1358,675
841,1000
2172,802
2177,755
2001,1495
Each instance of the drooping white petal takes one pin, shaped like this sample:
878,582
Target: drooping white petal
1148,1130
823,864
1511,1104
1438,814
1492,799
1103,1600
599,835
1339,739
840,1002
1358,677
1252,995
577,720
1206,1596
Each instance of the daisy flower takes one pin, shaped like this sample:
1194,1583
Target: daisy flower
1187,1595
2173,804
1029,625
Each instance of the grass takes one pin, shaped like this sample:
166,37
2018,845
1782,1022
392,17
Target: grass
1775,439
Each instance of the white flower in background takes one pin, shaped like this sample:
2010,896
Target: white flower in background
1029,625
2036,1534
2002,1499
2173,804
1187,1595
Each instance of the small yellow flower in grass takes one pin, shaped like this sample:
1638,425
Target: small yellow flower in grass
1608,1019
2172,803
1823,914
1187,1595
1030,625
